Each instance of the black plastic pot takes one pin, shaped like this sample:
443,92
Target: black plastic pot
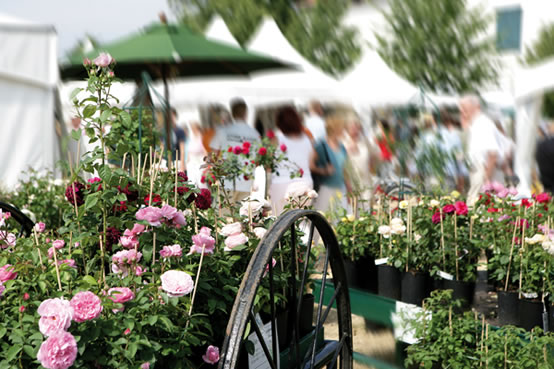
433,284
351,273
388,281
461,291
413,287
306,314
551,317
507,308
530,314
366,274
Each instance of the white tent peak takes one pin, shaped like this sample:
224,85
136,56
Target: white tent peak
268,39
372,80
9,21
217,30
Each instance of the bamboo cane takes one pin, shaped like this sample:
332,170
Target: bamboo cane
57,269
511,253
195,285
38,248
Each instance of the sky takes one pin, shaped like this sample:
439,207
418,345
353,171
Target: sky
106,20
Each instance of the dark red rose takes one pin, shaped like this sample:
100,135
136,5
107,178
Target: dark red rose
448,209
270,134
132,195
262,151
542,198
79,198
122,207
156,199
461,208
437,217
182,176
237,150
112,237
203,200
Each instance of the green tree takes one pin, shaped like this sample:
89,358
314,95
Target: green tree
440,44
315,31
543,49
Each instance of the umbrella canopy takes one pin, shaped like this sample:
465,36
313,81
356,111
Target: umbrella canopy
174,51
169,51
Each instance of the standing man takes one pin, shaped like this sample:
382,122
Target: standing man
315,121
235,134
482,145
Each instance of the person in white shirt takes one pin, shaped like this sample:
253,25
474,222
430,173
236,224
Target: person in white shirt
482,147
235,134
315,122
297,147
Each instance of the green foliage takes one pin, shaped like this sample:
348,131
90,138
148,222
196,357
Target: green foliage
357,237
42,196
439,45
542,49
316,32
462,341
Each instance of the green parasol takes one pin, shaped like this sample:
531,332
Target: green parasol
170,51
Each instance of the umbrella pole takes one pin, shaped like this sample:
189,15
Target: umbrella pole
167,116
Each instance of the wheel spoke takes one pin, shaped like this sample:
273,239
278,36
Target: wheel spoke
262,341
337,351
319,307
273,317
305,272
293,297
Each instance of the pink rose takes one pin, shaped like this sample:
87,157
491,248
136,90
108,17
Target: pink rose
235,240
69,262
137,229
120,295
22,308
86,306
51,251
212,355
59,351
103,60
177,283
150,214
461,208
129,242
230,229
126,332
179,219
58,244
7,273
542,198
168,211
171,251
145,365
273,262
7,239
26,296
503,193
283,147
40,227
86,62
203,240
55,315
448,209
139,270
437,218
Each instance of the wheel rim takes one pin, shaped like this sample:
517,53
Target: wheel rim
261,263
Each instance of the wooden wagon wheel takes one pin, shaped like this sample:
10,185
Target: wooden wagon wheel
328,353
26,223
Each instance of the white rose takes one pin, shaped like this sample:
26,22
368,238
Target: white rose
231,229
312,194
396,222
535,239
384,230
403,204
434,203
260,232
297,189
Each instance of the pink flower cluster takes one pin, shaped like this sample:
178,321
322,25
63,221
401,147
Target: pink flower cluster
171,251
166,214
7,239
177,283
460,208
234,235
499,190
124,259
40,227
203,240
7,273
2,288
129,239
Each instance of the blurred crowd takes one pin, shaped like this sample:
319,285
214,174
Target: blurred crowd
347,162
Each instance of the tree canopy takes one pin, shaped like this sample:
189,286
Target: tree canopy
542,49
315,31
440,44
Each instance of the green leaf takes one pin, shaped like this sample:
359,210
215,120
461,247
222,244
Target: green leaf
90,280
105,115
125,117
30,351
89,111
76,134
3,331
90,201
249,346
152,319
75,92
12,352
166,322
89,132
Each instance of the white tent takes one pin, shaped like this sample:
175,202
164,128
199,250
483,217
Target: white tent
217,30
371,81
306,83
28,76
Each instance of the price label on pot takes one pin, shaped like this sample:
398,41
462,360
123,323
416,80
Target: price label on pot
381,261
445,275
